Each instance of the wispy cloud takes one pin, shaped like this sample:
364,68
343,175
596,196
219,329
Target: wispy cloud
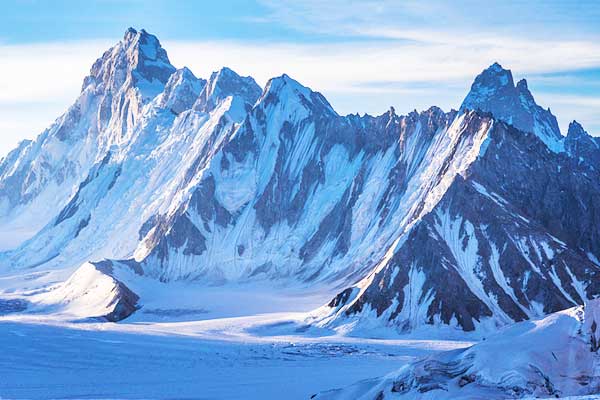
46,71
583,101
584,109
380,54
412,18
341,66
37,83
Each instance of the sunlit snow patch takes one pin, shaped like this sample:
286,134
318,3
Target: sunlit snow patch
91,292
552,357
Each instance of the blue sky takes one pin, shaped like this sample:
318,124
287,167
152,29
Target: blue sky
362,55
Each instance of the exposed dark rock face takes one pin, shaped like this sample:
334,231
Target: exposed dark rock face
494,91
123,301
124,304
120,301
94,291
515,236
476,256
295,165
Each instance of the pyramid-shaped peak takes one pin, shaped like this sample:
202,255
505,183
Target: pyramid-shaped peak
496,67
145,45
183,73
284,87
285,82
494,91
227,72
522,85
576,130
494,84
494,77
226,76
227,82
138,60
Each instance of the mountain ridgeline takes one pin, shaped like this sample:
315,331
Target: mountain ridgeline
472,219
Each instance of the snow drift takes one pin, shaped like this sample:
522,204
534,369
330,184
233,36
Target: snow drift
91,292
556,356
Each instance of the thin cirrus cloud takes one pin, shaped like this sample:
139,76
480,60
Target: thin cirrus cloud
534,38
37,83
463,19
374,66
369,76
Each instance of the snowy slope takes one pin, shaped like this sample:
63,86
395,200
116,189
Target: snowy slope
91,292
274,202
552,357
39,177
147,173
212,359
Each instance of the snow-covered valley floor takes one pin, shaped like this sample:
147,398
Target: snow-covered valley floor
182,353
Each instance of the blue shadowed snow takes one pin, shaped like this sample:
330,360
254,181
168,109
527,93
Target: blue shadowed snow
49,361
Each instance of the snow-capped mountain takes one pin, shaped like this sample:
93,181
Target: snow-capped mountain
472,218
135,176
41,176
494,91
514,236
274,202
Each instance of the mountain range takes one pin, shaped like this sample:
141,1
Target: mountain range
468,220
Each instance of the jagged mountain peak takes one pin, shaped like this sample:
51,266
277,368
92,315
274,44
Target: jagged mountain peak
434,110
576,130
228,77
181,91
522,85
496,67
130,33
580,144
391,115
496,71
494,91
137,61
495,75
284,88
145,45
332,195
185,73
525,95
493,83
121,82
225,83
286,82
432,113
